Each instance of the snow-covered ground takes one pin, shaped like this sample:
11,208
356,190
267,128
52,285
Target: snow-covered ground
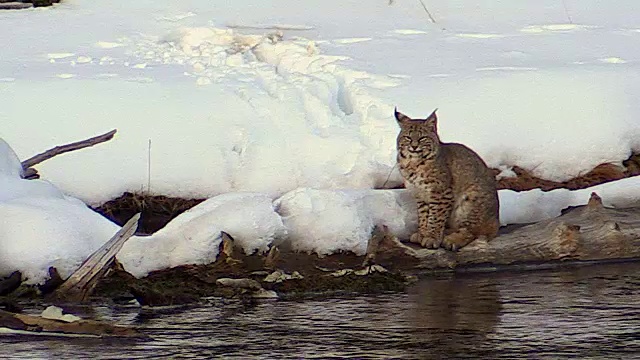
284,109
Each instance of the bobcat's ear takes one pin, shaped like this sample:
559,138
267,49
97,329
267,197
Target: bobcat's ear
400,117
432,121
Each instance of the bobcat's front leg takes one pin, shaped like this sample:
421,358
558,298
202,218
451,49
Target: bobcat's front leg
432,218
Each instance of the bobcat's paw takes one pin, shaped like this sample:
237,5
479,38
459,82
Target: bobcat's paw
457,241
425,241
415,238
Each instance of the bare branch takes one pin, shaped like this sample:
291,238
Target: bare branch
66,148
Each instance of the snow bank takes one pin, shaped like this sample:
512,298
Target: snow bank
267,117
9,163
40,227
329,221
326,221
297,97
40,232
194,236
536,205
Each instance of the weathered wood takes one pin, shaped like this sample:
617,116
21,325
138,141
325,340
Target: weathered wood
586,233
82,282
228,249
373,245
392,253
271,260
26,164
244,283
10,283
247,286
30,174
14,5
37,325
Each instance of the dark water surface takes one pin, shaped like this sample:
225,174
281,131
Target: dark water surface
582,313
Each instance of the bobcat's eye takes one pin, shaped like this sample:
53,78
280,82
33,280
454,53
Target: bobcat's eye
423,139
407,138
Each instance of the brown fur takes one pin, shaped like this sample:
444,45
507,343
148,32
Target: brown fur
455,190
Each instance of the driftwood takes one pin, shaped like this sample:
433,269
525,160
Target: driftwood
586,233
36,325
14,5
81,283
29,173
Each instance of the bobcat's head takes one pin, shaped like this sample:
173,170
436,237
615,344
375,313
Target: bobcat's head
418,137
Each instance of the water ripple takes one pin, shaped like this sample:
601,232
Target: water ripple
589,312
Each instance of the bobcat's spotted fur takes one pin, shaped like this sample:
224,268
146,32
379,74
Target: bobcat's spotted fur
455,190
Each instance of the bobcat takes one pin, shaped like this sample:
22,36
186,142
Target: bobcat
455,190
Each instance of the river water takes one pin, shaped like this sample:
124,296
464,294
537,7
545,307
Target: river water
590,312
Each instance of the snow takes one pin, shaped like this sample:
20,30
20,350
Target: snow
535,205
42,227
281,114
550,119
330,221
194,236
40,232
9,162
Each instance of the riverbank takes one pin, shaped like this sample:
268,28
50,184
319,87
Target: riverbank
506,315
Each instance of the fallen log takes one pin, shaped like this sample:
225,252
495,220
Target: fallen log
81,283
29,173
585,233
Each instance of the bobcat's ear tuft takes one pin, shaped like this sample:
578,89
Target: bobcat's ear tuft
432,121
400,117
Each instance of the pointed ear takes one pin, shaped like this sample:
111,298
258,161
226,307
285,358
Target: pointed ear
400,117
432,121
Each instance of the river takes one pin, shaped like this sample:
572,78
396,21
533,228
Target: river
589,312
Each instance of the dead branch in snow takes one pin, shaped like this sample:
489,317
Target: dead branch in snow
81,283
29,173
